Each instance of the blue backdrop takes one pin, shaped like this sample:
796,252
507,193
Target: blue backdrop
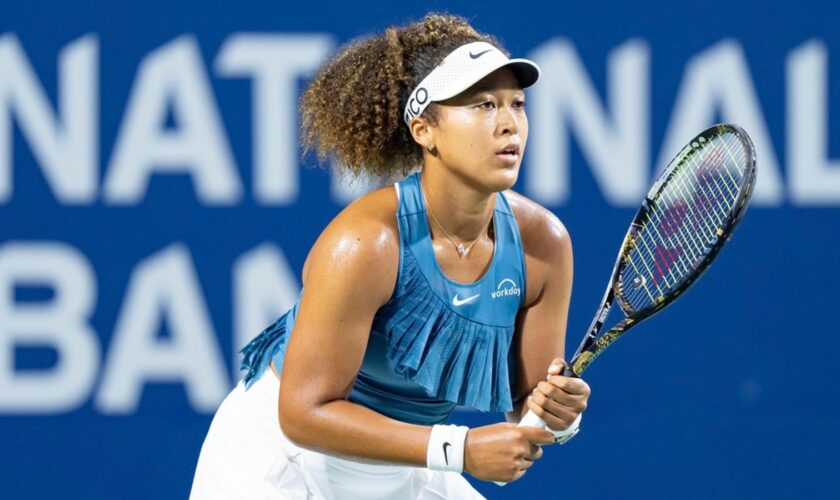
155,213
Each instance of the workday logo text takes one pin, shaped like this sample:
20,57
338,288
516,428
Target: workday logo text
506,288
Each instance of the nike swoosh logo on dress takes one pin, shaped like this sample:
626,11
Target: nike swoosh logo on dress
459,302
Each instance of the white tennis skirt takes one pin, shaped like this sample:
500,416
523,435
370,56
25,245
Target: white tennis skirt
246,455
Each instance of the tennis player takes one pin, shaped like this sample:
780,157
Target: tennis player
445,289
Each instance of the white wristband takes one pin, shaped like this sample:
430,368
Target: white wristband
446,448
561,437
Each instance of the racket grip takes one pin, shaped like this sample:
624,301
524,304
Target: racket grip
532,420
529,420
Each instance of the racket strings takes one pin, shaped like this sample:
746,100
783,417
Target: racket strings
673,249
665,251
664,254
703,181
685,222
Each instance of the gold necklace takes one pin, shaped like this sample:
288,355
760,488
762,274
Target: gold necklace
462,250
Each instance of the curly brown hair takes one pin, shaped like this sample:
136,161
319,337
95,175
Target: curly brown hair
353,108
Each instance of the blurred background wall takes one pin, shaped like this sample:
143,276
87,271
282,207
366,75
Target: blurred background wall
156,209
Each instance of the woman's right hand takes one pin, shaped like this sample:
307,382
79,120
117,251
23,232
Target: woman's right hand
503,452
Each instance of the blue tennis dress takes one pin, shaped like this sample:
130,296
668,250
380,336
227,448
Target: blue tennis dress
437,343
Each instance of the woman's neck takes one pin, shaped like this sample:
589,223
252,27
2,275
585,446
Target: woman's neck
461,210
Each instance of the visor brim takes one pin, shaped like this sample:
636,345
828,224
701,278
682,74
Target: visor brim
525,71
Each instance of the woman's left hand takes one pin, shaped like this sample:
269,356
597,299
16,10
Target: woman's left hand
559,400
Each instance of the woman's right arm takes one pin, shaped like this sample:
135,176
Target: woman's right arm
351,273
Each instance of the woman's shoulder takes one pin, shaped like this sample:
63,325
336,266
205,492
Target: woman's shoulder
365,233
375,211
544,236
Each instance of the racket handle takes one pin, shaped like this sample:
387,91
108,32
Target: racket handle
532,420
529,420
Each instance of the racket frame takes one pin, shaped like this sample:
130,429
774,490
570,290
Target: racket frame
592,345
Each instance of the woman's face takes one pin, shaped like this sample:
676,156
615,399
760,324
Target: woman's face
481,133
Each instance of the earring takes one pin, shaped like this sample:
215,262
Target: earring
430,148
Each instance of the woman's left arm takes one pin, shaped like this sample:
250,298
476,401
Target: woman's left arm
541,325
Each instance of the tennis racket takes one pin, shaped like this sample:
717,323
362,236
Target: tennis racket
685,220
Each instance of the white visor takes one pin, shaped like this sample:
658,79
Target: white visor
460,70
